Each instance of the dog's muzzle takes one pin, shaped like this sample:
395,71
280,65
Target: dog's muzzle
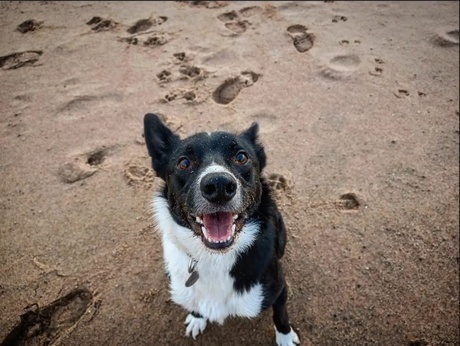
220,224
218,188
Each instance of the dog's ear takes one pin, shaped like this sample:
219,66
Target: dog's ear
251,135
160,141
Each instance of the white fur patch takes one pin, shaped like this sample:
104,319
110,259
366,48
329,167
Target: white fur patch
290,339
213,295
214,168
195,325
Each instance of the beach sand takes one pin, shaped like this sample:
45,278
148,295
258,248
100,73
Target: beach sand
358,107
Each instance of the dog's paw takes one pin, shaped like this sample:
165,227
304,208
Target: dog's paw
195,325
289,339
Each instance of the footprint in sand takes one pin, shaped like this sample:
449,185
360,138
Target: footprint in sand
181,56
238,27
83,166
100,24
401,93
447,38
29,25
17,60
250,11
341,66
138,174
347,42
303,41
186,72
228,16
205,4
152,41
80,105
97,157
164,76
339,18
230,88
348,202
278,182
377,70
45,325
190,72
234,23
73,171
182,71
345,62
155,40
189,95
145,24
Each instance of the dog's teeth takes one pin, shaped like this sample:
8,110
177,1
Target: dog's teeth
198,220
204,231
235,216
233,229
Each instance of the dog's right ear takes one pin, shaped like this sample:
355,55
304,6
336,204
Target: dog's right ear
160,141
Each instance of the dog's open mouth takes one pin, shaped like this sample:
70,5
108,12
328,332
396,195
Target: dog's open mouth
218,230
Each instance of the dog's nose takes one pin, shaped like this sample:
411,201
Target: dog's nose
218,187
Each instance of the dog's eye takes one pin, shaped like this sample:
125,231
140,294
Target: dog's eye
241,158
183,163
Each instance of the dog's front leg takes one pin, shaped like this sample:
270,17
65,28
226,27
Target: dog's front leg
285,335
196,324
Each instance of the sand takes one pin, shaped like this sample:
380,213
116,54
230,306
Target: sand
358,105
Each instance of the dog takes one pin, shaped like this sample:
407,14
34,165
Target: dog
222,233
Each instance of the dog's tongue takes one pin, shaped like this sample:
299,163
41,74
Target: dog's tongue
218,226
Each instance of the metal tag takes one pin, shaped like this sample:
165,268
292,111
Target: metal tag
192,279
193,273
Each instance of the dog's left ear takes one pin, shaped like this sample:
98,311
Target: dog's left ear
251,135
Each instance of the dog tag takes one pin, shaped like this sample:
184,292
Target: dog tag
192,279
193,273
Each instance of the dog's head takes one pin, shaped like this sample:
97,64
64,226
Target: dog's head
213,180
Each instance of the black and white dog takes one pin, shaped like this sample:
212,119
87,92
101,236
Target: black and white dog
222,233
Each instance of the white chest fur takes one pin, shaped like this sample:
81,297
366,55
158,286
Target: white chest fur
213,295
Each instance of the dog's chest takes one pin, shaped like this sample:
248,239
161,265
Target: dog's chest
213,294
